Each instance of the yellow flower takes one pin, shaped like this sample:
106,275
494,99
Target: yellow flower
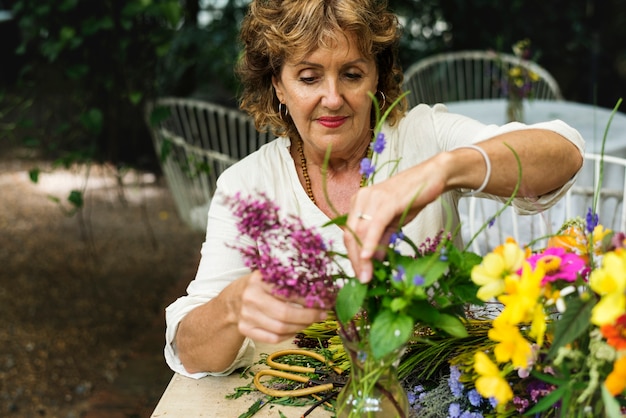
515,72
491,383
495,267
599,232
522,295
611,277
511,344
609,282
539,325
608,309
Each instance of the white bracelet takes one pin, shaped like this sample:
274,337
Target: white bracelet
487,174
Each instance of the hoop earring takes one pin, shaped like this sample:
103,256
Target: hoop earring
382,106
280,111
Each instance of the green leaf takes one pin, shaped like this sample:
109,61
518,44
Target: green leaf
135,97
76,199
68,5
339,220
77,71
424,312
67,33
467,293
431,268
254,408
398,304
452,325
172,12
34,175
54,199
159,114
166,149
611,405
93,120
349,300
389,332
571,325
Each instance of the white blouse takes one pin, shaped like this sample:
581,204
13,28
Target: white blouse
424,132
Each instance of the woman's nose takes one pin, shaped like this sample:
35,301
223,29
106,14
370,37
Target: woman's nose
332,96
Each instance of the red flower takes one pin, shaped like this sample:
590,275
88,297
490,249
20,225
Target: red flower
615,334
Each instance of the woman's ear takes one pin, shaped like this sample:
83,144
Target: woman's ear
277,88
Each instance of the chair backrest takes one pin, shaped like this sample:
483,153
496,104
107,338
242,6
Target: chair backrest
470,75
196,141
525,229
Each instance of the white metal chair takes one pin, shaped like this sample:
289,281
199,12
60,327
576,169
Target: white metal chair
469,75
525,229
196,141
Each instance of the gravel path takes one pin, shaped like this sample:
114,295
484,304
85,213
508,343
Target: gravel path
82,296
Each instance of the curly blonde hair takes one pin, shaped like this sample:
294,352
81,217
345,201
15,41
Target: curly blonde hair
274,31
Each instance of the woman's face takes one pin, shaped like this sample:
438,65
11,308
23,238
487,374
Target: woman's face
326,95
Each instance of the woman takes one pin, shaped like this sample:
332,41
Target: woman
307,69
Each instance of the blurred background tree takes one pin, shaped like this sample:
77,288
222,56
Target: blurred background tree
75,76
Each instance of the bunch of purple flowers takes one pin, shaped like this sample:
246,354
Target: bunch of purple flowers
447,397
294,258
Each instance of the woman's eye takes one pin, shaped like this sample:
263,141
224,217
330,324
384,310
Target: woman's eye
353,76
307,80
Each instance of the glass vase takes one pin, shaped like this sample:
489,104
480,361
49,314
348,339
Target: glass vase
373,388
515,109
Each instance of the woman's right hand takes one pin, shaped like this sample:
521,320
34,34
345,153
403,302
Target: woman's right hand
265,317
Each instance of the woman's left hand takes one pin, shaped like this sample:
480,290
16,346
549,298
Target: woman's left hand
376,212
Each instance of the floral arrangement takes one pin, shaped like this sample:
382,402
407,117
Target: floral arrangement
520,331
555,345
561,324
518,80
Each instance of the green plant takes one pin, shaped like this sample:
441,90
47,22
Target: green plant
89,69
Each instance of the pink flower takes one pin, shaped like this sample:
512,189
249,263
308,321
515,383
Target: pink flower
558,264
295,259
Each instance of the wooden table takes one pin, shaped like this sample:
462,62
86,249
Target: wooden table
206,397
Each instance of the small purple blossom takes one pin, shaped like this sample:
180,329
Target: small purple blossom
418,280
456,387
443,256
470,414
398,276
396,238
410,395
430,245
379,143
491,222
367,167
538,389
474,397
454,410
592,220
521,404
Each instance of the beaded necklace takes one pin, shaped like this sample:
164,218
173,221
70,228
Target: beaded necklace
305,171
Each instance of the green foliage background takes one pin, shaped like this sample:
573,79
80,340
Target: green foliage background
75,75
